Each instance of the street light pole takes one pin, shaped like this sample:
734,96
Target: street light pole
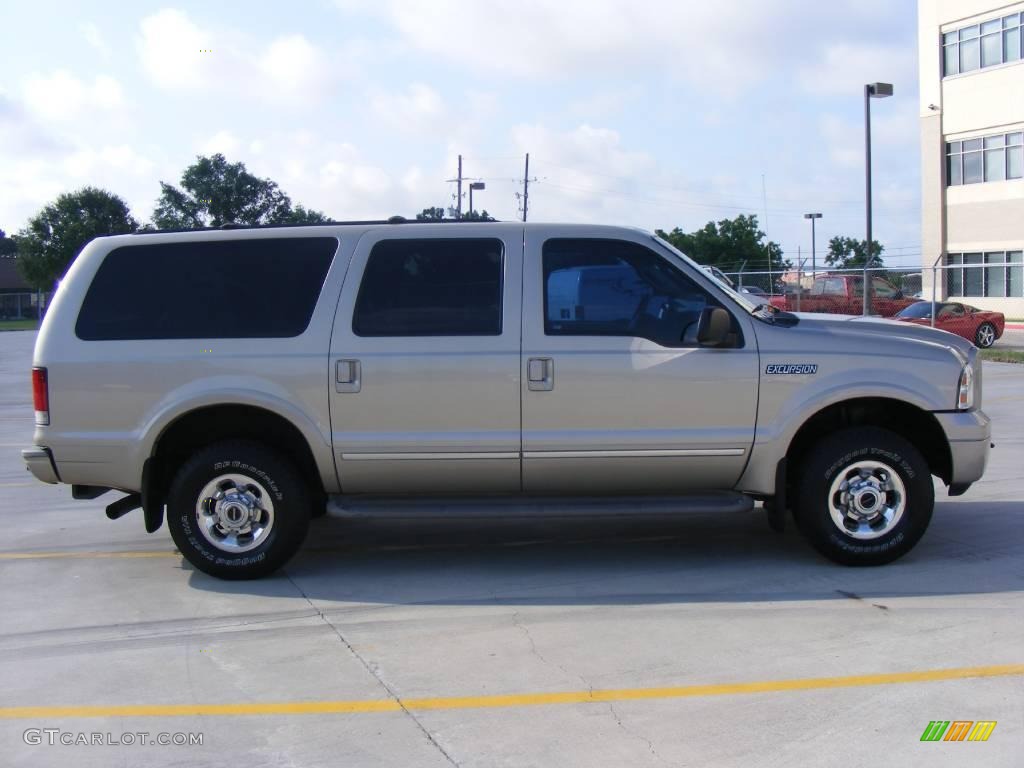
814,264
877,91
474,185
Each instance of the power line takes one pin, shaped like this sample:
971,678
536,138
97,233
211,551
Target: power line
687,203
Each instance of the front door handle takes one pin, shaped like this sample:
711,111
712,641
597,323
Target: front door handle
540,374
348,376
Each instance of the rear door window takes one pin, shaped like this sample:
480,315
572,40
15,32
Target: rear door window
431,287
215,289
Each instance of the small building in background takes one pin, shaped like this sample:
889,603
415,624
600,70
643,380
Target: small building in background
17,298
971,71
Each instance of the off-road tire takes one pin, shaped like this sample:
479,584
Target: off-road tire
289,494
830,456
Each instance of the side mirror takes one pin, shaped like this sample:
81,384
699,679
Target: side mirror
713,327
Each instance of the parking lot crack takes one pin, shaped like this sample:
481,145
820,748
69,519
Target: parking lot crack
372,670
533,645
635,735
533,649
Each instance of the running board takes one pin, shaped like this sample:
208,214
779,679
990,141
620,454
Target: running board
527,507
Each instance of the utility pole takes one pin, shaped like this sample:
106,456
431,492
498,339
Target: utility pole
458,193
457,210
526,186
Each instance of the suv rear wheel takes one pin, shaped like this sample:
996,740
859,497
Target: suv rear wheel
864,497
238,510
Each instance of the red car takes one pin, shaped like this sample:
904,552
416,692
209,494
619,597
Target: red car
977,325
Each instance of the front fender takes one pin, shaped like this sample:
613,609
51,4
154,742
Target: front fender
786,406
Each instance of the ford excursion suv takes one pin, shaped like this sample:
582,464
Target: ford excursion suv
236,382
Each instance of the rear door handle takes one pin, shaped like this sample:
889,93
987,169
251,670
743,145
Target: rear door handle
540,374
348,376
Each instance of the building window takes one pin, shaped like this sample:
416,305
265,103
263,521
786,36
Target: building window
996,41
988,158
991,274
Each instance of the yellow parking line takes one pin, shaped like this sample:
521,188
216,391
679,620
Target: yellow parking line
509,700
82,555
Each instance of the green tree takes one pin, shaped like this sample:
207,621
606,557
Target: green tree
215,192
437,214
8,246
849,253
54,236
431,214
302,215
729,243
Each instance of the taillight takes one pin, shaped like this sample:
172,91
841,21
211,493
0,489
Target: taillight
41,396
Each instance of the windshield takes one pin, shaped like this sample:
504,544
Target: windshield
919,310
743,301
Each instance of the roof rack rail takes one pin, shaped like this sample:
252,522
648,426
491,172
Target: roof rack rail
364,223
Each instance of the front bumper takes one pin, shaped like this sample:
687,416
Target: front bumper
39,461
969,434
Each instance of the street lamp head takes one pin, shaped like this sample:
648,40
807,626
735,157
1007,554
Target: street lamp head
477,185
880,90
812,215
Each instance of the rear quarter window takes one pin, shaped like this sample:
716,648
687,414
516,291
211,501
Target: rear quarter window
223,289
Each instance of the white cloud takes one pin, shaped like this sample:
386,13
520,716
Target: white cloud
584,174
419,109
845,68
95,39
894,132
729,44
223,141
173,49
179,54
111,162
844,139
293,65
62,96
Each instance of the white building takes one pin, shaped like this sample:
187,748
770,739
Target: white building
971,68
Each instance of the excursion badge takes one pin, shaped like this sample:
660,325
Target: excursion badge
788,368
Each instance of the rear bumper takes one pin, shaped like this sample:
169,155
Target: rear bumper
39,461
969,434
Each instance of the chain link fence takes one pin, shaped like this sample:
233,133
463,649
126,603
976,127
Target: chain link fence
942,296
23,305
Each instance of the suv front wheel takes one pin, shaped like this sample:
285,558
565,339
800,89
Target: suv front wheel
864,496
238,510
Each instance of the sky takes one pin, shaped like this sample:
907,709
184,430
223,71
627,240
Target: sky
652,114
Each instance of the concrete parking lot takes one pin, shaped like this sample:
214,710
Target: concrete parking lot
704,640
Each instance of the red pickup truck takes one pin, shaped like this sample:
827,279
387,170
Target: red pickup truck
844,295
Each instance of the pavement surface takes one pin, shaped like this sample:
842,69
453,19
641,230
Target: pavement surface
699,641
1011,339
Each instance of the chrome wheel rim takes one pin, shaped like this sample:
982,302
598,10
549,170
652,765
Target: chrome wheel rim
867,500
986,336
235,513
